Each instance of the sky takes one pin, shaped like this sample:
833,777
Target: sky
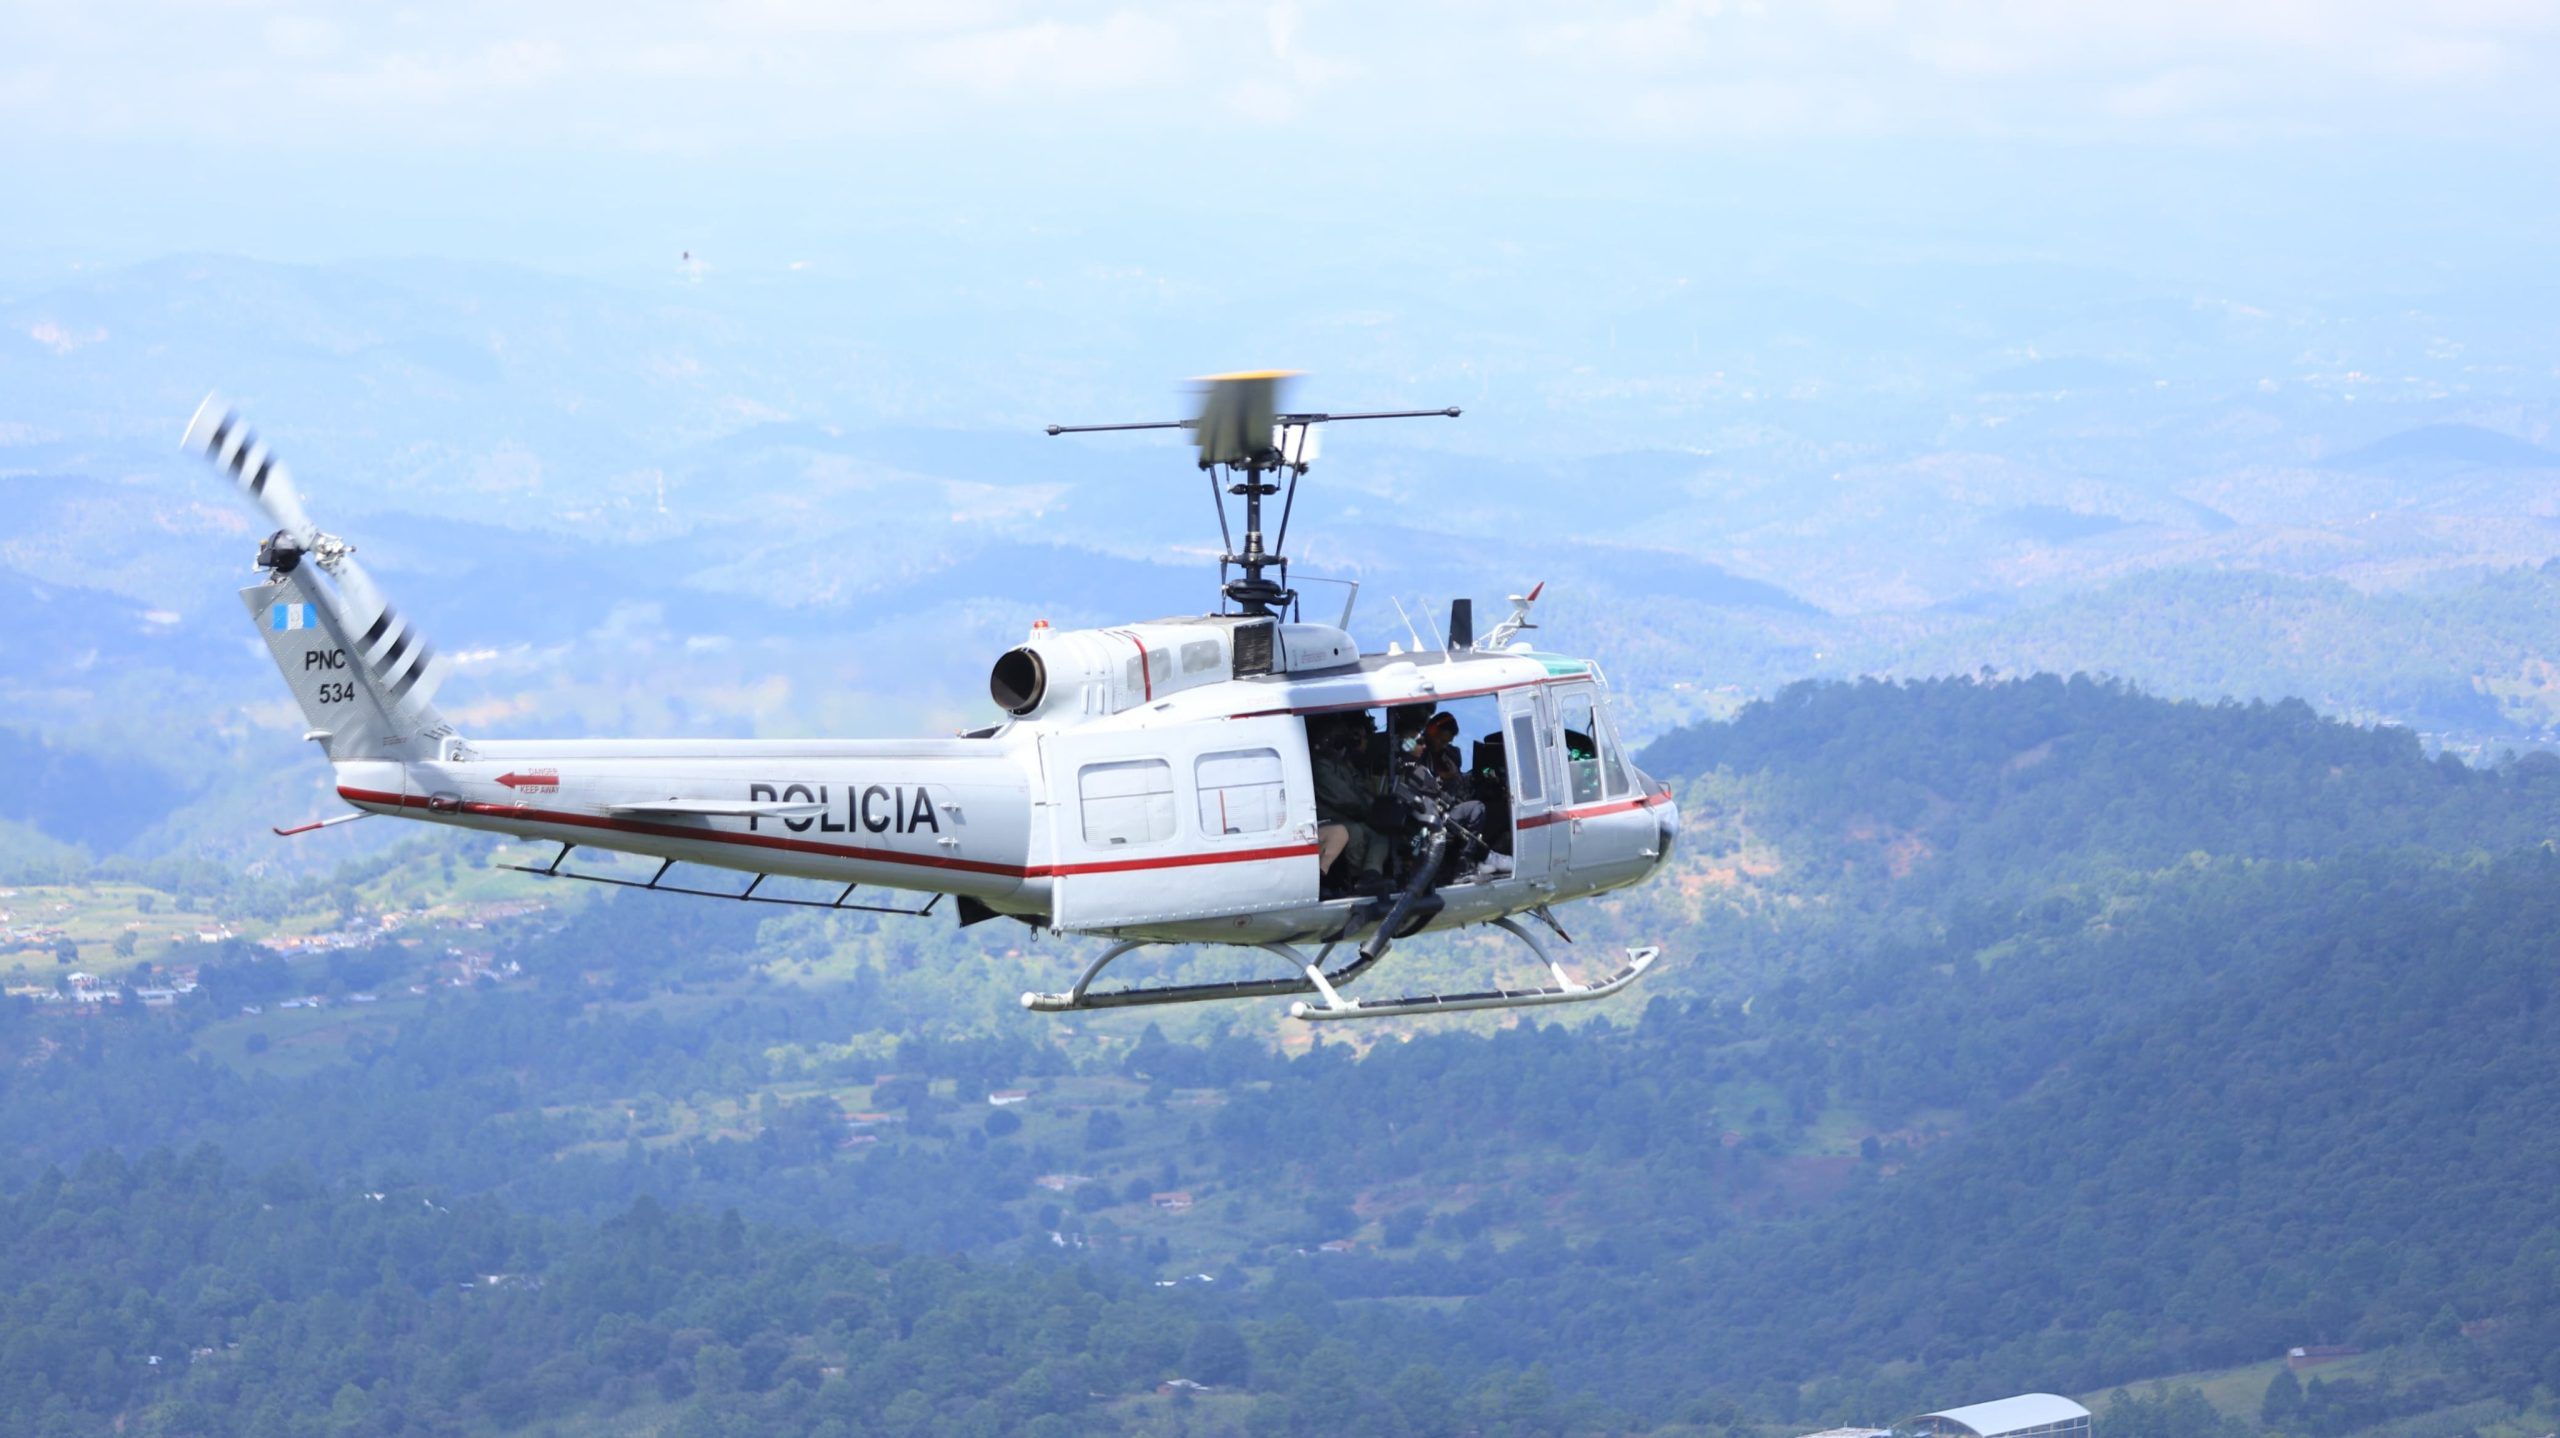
565,134
754,79
484,256
1053,207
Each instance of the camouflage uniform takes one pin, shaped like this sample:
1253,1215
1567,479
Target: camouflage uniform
1343,796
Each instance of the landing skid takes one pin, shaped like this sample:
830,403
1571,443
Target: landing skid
1564,990
1326,984
1408,912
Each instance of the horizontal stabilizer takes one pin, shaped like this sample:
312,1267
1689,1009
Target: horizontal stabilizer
721,808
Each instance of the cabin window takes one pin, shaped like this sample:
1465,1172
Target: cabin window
1527,772
1127,801
1240,792
1202,655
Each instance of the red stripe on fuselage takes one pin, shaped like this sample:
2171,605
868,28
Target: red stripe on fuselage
526,815
1175,861
1594,811
1144,676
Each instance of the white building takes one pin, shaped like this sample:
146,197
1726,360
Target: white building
2028,1415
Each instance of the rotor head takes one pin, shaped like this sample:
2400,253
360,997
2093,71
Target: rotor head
1238,414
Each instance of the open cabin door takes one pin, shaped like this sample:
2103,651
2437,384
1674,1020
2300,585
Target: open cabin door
1180,824
1533,795
1608,836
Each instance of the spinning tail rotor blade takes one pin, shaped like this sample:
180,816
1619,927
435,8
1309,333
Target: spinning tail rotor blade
396,657
217,433
408,668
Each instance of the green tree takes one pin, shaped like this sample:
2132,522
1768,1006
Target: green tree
2283,1400
718,1369
1217,1355
350,1411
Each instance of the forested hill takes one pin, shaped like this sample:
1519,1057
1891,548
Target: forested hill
2042,778
2259,1106
2022,1035
2204,1031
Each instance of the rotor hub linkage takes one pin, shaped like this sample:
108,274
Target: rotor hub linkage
1254,593
1239,411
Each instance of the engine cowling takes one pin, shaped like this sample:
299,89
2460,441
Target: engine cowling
1087,672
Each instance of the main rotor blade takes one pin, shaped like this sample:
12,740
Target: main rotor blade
1450,412
1105,428
218,434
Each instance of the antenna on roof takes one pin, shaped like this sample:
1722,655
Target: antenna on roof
1410,632
1508,629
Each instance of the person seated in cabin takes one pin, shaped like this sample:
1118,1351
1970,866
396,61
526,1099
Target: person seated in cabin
1443,796
1392,813
1492,777
1437,750
1404,731
1353,854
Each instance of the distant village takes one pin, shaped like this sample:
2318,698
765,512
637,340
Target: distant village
174,977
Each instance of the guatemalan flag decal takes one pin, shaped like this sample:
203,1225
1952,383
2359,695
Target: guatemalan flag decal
292,616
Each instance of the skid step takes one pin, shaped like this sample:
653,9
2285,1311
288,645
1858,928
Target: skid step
1564,991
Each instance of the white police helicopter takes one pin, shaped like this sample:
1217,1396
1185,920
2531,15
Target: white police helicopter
1218,780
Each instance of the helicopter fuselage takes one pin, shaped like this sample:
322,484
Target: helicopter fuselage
1183,818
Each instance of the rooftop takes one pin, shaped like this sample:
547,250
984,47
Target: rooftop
2007,1415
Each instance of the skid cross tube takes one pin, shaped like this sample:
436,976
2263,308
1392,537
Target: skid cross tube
656,884
1309,977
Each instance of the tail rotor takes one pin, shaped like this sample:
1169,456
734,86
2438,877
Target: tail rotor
402,669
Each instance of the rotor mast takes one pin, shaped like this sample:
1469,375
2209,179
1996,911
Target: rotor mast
1253,450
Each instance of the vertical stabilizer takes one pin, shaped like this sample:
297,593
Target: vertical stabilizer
352,710
362,674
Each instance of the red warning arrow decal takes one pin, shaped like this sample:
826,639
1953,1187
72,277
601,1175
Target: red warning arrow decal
539,781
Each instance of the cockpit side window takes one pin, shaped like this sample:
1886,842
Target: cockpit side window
1581,749
1616,771
1613,765
1592,766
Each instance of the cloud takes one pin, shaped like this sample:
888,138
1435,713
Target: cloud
651,73
1122,51
63,341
